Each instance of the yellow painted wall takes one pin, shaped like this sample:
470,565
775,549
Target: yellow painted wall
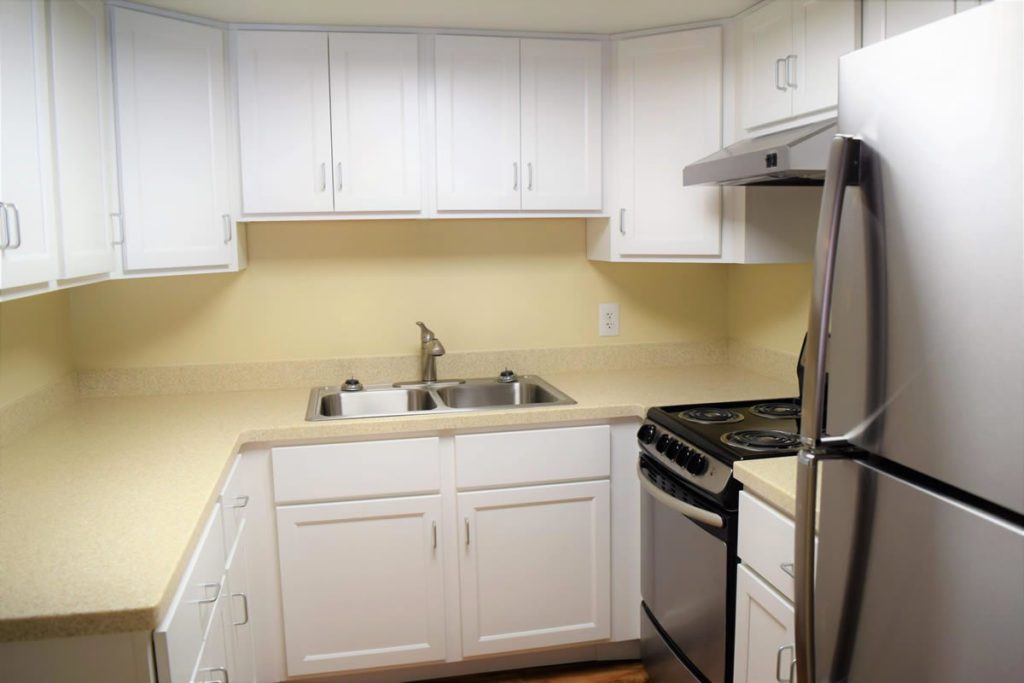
35,344
335,289
768,305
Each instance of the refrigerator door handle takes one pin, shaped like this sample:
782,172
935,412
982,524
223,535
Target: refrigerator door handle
842,172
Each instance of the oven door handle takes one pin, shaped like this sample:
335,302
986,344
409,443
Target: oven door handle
692,511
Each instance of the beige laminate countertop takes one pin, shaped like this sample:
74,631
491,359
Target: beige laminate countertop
100,505
773,480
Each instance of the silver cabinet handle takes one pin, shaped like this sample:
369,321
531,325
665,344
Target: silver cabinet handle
323,177
340,183
206,601
226,218
842,171
778,81
778,664
118,228
791,69
245,606
434,531
515,175
240,502
622,221
16,242
692,511
467,531
220,670
5,233
787,567
529,175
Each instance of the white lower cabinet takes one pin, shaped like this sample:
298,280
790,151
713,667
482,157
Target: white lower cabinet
237,618
213,664
362,583
534,567
764,632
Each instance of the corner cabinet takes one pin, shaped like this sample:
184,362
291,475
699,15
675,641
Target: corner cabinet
789,58
172,144
518,124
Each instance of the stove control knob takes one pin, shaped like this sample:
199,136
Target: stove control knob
674,450
685,453
697,465
663,443
647,434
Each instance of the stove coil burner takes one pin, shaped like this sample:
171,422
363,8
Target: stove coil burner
708,416
762,440
776,411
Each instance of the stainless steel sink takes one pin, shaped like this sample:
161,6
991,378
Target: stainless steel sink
386,400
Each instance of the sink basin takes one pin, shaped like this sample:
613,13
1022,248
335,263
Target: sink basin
387,400
371,403
519,393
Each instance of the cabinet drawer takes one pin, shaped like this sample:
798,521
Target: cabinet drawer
766,542
234,503
179,637
532,457
365,469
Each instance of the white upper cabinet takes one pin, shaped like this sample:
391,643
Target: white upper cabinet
887,18
561,124
518,124
375,122
284,105
477,123
172,142
669,100
789,64
83,136
28,251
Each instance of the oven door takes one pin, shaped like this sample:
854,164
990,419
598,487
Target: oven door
688,573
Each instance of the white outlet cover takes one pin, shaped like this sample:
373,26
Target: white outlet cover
608,320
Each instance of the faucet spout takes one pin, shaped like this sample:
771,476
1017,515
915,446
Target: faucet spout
430,349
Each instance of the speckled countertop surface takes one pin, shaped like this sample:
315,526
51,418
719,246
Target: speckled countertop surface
100,505
773,480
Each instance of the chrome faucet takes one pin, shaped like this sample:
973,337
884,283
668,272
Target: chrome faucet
430,349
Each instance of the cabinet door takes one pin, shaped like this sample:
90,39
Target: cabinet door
28,253
823,31
284,122
478,165
238,613
561,127
903,15
214,665
766,37
669,99
361,584
534,567
375,121
172,142
82,135
764,624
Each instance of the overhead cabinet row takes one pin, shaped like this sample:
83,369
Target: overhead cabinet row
339,122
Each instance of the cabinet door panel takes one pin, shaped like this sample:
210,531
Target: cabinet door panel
670,94
238,613
903,15
823,31
477,123
172,141
766,36
764,623
362,584
284,122
561,109
24,148
535,567
82,115
375,121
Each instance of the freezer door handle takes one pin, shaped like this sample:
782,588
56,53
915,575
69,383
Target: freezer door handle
842,172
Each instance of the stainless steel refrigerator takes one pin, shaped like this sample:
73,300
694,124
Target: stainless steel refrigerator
913,411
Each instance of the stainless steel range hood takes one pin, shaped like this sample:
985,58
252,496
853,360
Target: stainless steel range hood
791,157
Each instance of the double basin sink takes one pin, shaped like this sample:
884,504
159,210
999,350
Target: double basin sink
386,400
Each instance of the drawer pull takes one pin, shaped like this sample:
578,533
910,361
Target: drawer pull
467,531
240,502
788,568
778,664
245,606
218,669
434,529
216,594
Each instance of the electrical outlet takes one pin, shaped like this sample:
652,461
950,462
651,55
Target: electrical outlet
608,320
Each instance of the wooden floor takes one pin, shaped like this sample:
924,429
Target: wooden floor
602,672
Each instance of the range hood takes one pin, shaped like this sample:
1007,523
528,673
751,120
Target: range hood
790,157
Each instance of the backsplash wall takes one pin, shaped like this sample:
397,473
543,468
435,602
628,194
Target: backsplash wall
768,305
35,344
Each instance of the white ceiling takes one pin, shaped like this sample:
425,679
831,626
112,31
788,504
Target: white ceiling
592,16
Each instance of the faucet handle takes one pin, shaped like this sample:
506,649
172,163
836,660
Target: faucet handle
426,334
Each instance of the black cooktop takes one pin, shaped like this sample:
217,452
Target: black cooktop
738,430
